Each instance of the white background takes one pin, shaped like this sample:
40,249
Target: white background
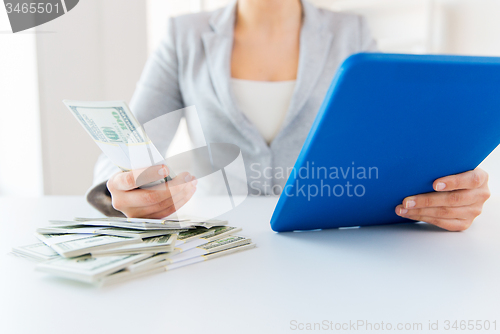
97,51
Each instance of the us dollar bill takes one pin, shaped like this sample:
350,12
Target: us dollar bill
186,222
193,234
218,233
150,261
52,239
200,258
120,224
170,257
166,265
221,232
90,244
225,243
211,247
116,231
204,235
164,243
88,269
35,252
118,134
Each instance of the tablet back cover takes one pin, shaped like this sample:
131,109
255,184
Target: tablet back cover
389,126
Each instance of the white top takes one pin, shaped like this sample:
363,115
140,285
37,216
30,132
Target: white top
264,103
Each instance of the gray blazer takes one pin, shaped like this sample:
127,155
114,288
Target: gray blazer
192,67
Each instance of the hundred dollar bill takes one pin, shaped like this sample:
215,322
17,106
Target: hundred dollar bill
90,244
149,262
88,269
221,231
164,243
129,220
118,134
127,274
193,240
218,233
121,224
116,231
193,234
175,257
35,252
186,222
211,247
209,256
52,239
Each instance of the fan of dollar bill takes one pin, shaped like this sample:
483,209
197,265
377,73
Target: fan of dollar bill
108,250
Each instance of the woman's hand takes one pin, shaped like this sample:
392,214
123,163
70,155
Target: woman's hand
153,202
458,201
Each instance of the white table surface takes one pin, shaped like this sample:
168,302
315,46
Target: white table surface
393,274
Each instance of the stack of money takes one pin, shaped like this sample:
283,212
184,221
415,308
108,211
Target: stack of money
108,250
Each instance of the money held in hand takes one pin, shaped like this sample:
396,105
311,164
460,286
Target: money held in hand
118,134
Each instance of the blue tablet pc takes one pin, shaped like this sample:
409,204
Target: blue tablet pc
388,127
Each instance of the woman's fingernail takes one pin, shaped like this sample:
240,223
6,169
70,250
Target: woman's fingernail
410,204
195,182
440,186
162,172
403,211
193,190
188,178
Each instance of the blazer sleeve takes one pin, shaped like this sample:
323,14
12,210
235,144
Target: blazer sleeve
367,43
157,93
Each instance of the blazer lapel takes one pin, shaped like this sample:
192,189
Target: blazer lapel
315,45
218,47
